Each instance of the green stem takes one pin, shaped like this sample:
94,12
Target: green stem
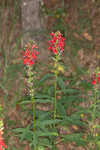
55,94
93,114
94,108
30,81
34,121
55,90
33,109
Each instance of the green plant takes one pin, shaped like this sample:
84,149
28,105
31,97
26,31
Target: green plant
55,105
2,144
93,136
56,46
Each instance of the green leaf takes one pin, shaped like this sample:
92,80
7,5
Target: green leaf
69,120
24,133
45,77
68,100
70,91
86,85
45,142
43,101
97,126
47,122
51,90
75,137
34,142
42,115
42,96
40,133
60,109
61,83
26,102
41,148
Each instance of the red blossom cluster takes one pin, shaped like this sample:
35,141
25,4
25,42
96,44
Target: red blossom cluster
56,43
30,55
2,144
95,78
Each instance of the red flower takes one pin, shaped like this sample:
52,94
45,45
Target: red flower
30,55
98,77
52,34
93,82
95,78
2,144
54,50
56,43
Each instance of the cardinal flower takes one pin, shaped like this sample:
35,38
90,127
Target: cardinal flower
56,44
98,77
93,82
30,54
2,144
95,78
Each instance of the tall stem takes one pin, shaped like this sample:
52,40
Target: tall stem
55,94
55,88
93,114
33,107
33,110
94,108
30,81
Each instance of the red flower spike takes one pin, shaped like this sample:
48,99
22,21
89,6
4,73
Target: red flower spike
30,54
54,50
98,79
93,82
56,44
95,78
2,144
52,34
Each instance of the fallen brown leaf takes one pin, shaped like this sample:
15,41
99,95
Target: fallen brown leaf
87,36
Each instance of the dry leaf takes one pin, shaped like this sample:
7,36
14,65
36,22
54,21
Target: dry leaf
76,35
87,36
75,128
98,56
81,54
54,1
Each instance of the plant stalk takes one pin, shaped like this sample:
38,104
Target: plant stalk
93,114
55,88
30,81
55,98
33,108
